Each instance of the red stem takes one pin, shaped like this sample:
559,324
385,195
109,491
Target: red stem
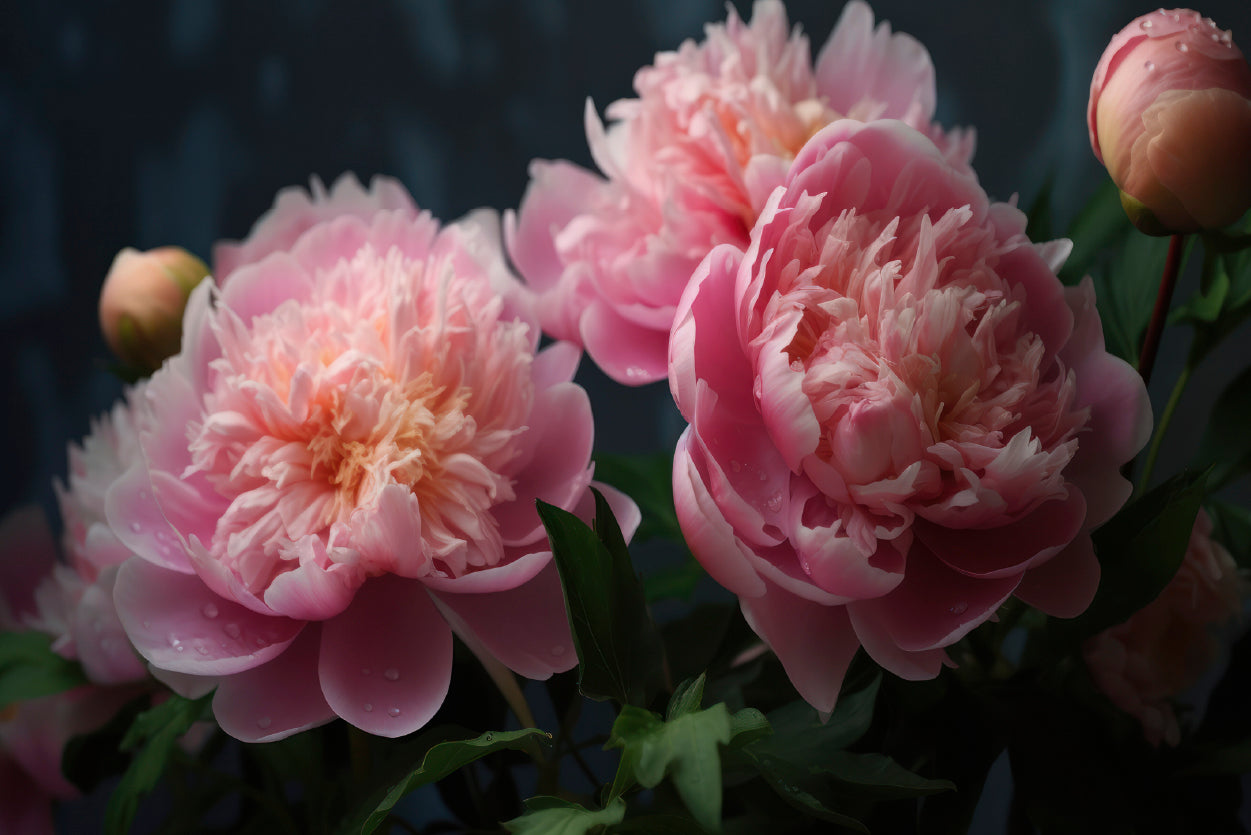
1159,316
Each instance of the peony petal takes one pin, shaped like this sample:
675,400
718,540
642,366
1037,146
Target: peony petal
136,520
815,643
258,288
876,639
526,628
99,639
386,662
933,607
497,578
1066,584
177,623
631,354
277,699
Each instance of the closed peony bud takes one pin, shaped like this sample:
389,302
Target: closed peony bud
1170,118
142,301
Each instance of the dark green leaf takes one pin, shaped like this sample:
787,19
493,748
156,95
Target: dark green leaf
687,697
1125,293
877,776
620,654
804,790
553,816
1231,526
446,757
30,669
1099,226
674,582
1039,224
1224,300
799,735
1139,551
153,737
1226,443
648,479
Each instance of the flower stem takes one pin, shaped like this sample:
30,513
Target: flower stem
1166,417
1159,315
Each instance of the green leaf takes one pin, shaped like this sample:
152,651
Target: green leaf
648,479
153,737
1098,227
1226,443
1125,293
877,776
685,748
804,790
553,816
1040,215
1139,550
1231,526
799,735
620,653
446,757
1223,302
674,582
30,669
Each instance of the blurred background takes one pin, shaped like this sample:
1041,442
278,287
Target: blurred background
143,123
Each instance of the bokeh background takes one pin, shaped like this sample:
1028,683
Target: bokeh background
144,123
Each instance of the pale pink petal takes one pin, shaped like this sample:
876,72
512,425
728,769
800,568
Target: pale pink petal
178,624
525,628
137,521
277,699
187,686
877,641
386,662
627,352
557,363
99,640
498,578
260,287
787,624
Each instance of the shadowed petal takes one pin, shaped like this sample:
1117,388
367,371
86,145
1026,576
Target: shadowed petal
277,699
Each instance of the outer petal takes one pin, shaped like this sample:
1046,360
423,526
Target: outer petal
815,643
136,520
177,623
99,639
629,353
277,699
1064,585
525,628
386,662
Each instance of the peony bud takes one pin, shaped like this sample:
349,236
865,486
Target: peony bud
1170,118
142,301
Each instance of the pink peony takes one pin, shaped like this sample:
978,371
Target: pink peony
689,164
1145,663
898,416
33,734
340,469
1170,117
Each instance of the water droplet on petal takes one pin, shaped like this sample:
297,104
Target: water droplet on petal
147,624
736,466
391,674
1146,24
202,649
232,630
1181,47
1149,66
209,610
559,649
367,707
180,648
393,711
488,737
958,608
774,503
136,527
264,722
260,642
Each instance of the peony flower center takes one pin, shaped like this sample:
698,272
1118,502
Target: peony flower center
393,373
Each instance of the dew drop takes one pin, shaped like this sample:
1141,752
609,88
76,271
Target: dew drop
1146,24
232,630
393,711
144,495
1181,47
488,737
1149,66
559,649
959,608
136,527
1176,17
147,624
202,649
736,466
264,722
391,674
173,639
209,610
260,642
774,503
367,707
180,648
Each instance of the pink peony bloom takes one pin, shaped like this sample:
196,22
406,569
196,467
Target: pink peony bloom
340,469
1170,117
689,164
1145,663
33,734
898,416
